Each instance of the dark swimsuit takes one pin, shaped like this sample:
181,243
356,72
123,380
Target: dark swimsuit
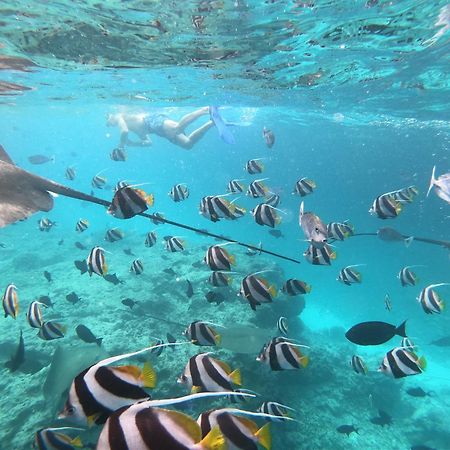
154,123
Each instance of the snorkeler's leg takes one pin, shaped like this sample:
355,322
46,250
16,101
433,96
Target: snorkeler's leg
191,117
188,142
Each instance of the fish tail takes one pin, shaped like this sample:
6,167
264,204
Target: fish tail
214,440
235,377
432,180
264,437
408,241
401,330
304,361
422,362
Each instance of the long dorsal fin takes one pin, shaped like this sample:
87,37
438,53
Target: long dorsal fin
4,156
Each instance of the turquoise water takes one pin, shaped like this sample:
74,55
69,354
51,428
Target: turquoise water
357,97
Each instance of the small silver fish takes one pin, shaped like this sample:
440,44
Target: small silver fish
441,185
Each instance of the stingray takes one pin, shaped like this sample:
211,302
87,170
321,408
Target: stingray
23,194
388,234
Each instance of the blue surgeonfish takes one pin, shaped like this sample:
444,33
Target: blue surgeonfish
400,362
206,374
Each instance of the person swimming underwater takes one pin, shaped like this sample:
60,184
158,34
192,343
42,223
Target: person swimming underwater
144,124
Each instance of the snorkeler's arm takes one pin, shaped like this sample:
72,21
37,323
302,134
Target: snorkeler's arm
143,143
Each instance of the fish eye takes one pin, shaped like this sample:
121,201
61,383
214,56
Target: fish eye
316,230
70,410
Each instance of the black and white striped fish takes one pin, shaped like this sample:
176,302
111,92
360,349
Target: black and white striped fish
386,207
304,186
53,439
388,302
239,431
144,427
294,287
34,314
179,192
358,365
175,244
70,173
82,225
206,374
235,186
280,411
121,184
158,347
282,326
51,330
45,224
430,300
119,154
264,214
407,277
320,256
150,239
98,181
156,219
282,354
406,194
217,258
257,189
202,334
407,343
215,207
218,279
254,166
197,22
10,301
101,389
348,275
128,202
96,262
400,363
273,200
340,231
137,267
256,290
114,235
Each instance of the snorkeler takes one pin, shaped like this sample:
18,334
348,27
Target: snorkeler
145,124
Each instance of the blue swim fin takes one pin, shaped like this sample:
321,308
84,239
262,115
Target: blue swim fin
222,128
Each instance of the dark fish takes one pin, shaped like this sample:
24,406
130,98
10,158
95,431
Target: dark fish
421,447
45,299
388,234
197,265
61,242
73,298
171,340
129,302
40,159
86,335
189,289
441,342
81,265
382,419
80,246
19,356
374,333
276,233
347,429
128,251
417,392
169,271
48,276
214,297
2,245
112,278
